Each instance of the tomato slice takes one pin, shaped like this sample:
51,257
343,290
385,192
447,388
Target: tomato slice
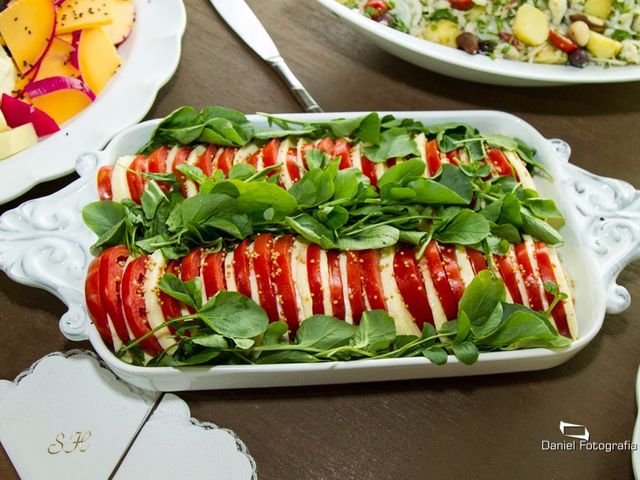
253,159
531,283
104,182
335,284
454,157
182,155
369,169
270,153
112,262
477,260
507,272
225,160
261,257
411,286
241,268
327,145
461,4
292,165
190,267
545,268
452,270
213,273
158,164
205,162
354,284
315,279
498,161
561,42
376,8
342,149
283,281
392,162
371,279
134,178
433,157
135,310
171,308
439,276
92,290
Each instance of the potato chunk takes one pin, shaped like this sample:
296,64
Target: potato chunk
602,47
531,25
551,55
442,31
598,8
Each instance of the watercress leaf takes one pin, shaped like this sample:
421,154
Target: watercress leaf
394,143
269,133
160,177
324,332
376,331
222,131
194,287
182,126
481,296
379,236
496,245
449,328
402,173
333,217
210,341
398,194
523,329
316,158
244,343
233,315
256,197
467,352
506,231
152,244
466,228
412,237
492,211
429,192
176,288
487,327
346,183
315,187
369,129
273,334
463,327
543,208
286,356
151,199
199,208
312,230
114,236
501,141
510,212
344,127
436,354
192,172
540,229
457,181
403,340
230,114
102,216
476,150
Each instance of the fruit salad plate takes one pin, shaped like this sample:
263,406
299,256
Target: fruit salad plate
44,243
475,68
150,56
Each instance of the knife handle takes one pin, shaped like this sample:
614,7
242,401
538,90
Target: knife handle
303,97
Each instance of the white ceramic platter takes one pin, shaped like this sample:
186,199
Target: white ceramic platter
635,454
150,56
476,68
45,244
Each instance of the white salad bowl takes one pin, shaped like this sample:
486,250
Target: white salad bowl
150,57
476,68
44,243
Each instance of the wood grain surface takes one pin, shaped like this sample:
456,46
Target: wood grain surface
487,427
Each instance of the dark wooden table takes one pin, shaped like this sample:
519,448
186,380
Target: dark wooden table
480,427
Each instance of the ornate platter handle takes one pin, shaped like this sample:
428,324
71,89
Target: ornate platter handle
610,213
43,243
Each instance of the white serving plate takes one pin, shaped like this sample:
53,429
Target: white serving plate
44,243
150,57
476,68
635,454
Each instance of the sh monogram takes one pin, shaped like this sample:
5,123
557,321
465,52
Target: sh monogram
77,441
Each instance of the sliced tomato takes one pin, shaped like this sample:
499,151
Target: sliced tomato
253,159
451,268
498,162
225,160
561,42
241,268
327,145
262,247
434,162
477,259
354,284
283,281
112,262
461,4
190,265
335,284
371,279
454,157
292,165
92,290
171,308
439,276
213,273
315,279
158,164
531,282
545,268
305,149
135,310
104,182
342,149
135,180
375,8
508,274
411,286
369,170
392,162
270,153
205,162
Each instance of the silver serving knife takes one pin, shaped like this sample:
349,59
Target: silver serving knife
244,22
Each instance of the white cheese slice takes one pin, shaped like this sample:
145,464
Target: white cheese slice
119,185
405,323
17,139
356,156
243,154
439,317
282,159
421,142
190,186
531,253
171,156
302,142
463,156
520,169
348,313
464,265
563,284
511,254
155,269
229,273
301,279
253,281
379,169
324,281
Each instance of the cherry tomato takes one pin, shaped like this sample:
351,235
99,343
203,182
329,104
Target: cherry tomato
112,262
292,165
452,270
375,8
454,157
104,183
498,162
262,268
135,310
507,272
547,274
561,42
213,273
283,281
171,308
135,180
158,164
342,149
433,157
435,264
205,162
411,286
461,4
98,314
354,284
315,279
477,259
241,268
225,160
335,284
371,280
369,170
531,282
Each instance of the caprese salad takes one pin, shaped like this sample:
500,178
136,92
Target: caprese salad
313,241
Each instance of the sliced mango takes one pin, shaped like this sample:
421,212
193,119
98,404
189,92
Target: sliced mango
531,25
61,105
598,8
17,139
602,47
97,57
80,14
124,16
56,61
27,28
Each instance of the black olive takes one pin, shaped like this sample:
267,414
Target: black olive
578,57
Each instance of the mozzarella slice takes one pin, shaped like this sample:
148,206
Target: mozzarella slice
229,272
421,142
520,169
531,253
463,156
190,186
379,169
324,279
155,269
439,317
119,185
244,153
300,148
253,281
301,278
348,313
563,284
171,156
282,159
464,265
405,324
356,156
511,254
